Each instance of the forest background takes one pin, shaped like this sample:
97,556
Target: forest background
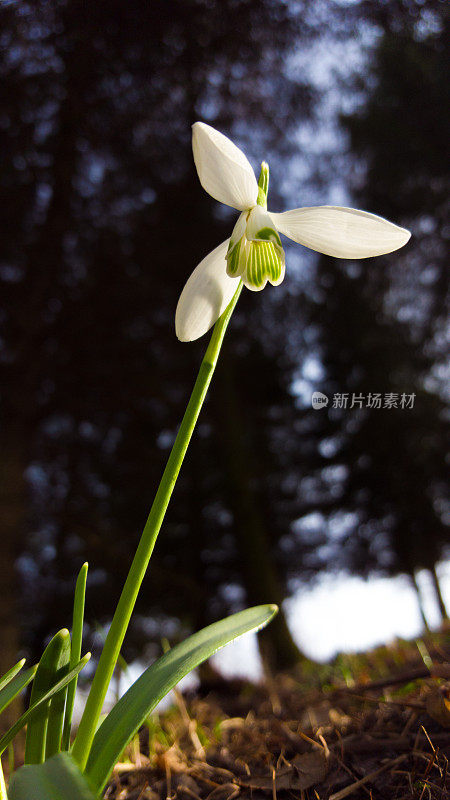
103,218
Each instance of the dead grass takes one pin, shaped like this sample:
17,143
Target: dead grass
371,726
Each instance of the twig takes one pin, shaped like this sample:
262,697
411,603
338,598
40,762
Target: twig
393,680
190,724
358,784
144,788
168,778
347,769
401,703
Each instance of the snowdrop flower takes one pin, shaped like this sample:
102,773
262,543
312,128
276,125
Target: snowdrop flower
254,252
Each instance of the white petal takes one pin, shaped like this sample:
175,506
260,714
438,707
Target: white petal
239,229
260,225
341,232
205,296
224,171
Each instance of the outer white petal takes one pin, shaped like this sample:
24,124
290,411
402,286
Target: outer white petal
205,296
239,229
224,171
341,232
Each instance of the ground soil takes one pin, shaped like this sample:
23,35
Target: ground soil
367,726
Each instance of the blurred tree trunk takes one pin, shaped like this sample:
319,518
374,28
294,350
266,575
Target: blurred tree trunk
12,505
207,673
197,595
277,647
416,588
438,592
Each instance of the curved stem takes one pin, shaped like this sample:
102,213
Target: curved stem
119,624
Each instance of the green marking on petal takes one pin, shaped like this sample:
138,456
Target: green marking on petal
237,257
269,234
265,262
254,277
233,259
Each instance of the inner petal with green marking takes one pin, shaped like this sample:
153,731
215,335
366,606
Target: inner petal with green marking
264,264
236,255
255,251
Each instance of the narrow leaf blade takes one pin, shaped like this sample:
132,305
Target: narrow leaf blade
15,686
75,652
8,676
14,730
58,779
46,676
130,712
57,703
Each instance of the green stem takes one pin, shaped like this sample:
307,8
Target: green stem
3,792
119,624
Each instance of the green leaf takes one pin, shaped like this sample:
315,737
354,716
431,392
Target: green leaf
75,652
8,676
28,715
15,686
57,704
57,779
51,668
141,698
